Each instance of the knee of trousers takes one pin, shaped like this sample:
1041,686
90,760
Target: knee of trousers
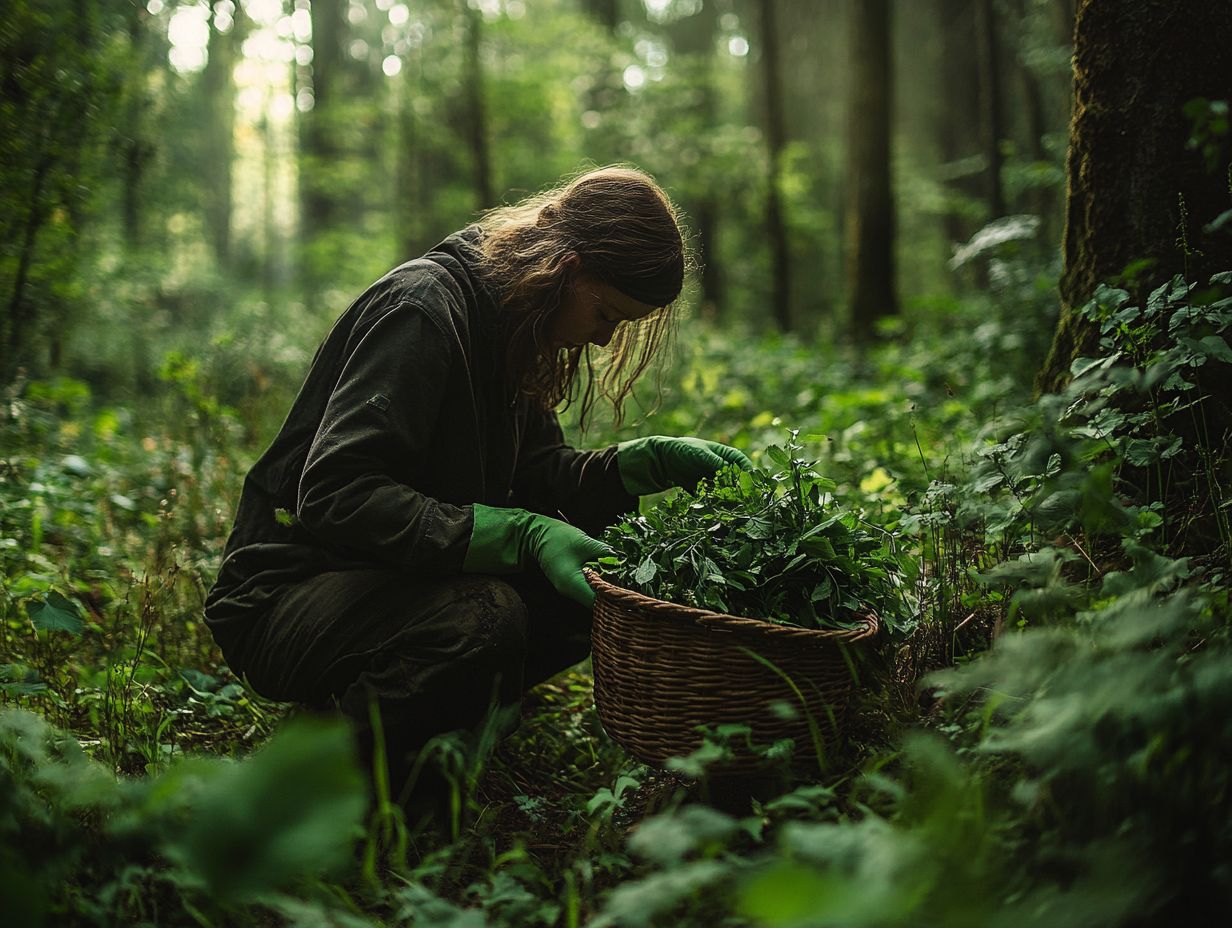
490,616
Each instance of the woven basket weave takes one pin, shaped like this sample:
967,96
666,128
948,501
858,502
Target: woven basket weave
662,669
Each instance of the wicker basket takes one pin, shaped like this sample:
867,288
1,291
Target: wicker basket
662,669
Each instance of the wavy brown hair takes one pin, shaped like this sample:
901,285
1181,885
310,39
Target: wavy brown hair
626,232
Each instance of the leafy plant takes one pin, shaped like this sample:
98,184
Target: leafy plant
773,546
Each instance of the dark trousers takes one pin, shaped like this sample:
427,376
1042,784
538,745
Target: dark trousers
433,654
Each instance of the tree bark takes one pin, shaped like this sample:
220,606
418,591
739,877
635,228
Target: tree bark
993,121
1042,199
958,121
1136,193
870,205
693,41
776,140
218,86
134,147
319,144
477,123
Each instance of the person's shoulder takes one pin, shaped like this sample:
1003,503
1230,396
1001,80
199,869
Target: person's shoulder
423,282
430,285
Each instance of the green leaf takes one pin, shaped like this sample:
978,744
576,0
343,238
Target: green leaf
1215,347
778,456
758,529
55,613
289,812
19,680
1222,221
645,572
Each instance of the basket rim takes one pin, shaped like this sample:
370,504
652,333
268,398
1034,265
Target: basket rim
869,626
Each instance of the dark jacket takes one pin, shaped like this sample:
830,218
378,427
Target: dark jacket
404,420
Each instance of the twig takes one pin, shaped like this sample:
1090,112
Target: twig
1094,566
962,623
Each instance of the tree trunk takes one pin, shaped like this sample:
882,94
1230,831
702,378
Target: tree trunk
1042,199
1136,193
870,205
958,125
606,12
992,122
218,86
134,147
477,123
693,41
318,143
776,140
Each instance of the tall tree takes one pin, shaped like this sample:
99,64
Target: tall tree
477,119
62,76
870,204
319,144
1137,191
218,90
135,147
693,39
776,140
993,119
1038,106
957,119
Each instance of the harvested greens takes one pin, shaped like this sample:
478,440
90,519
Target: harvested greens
773,546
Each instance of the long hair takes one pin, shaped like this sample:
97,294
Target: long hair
626,233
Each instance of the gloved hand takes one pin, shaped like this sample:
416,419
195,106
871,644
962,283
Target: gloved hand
648,465
506,541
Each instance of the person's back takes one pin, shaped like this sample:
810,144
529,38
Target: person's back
414,537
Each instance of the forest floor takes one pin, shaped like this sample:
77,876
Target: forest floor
1068,773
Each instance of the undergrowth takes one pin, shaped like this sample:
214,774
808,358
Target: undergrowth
1055,750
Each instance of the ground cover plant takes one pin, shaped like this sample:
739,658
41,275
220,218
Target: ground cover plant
1086,531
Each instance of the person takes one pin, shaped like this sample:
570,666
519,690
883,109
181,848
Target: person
413,539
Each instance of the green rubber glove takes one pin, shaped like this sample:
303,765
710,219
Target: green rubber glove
648,465
505,541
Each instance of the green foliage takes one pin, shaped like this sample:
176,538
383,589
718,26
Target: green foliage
762,545
1087,530
63,81
192,842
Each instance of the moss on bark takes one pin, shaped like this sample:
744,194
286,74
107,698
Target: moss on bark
1138,196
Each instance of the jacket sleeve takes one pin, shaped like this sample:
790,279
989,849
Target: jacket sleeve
378,421
554,479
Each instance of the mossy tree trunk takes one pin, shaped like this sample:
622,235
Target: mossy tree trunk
1138,196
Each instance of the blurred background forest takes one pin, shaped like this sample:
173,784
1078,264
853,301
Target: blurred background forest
221,178
975,254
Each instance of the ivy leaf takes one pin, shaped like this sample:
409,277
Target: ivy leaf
55,613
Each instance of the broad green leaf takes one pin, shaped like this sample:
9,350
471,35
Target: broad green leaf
289,812
55,613
1216,347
